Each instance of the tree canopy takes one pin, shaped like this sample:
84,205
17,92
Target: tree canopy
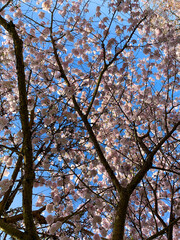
89,120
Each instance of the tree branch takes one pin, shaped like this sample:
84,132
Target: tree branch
6,197
27,145
164,230
149,159
5,5
12,231
86,123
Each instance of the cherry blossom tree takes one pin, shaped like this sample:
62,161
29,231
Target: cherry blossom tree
89,120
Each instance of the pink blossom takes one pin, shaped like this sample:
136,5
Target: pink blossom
8,17
12,9
6,173
98,13
97,219
56,199
101,88
9,162
75,52
53,228
3,122
96,237
49,208
47,5
18,13
40,200
49,219
36,184
69,36
41,15
58,224
4,186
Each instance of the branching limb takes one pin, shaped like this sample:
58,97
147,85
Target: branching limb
12,231
14,176
86,123
160,233
149,159
29,174
5,5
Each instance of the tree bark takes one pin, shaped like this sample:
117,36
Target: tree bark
120,217
29,174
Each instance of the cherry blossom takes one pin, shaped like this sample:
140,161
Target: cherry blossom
89,119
